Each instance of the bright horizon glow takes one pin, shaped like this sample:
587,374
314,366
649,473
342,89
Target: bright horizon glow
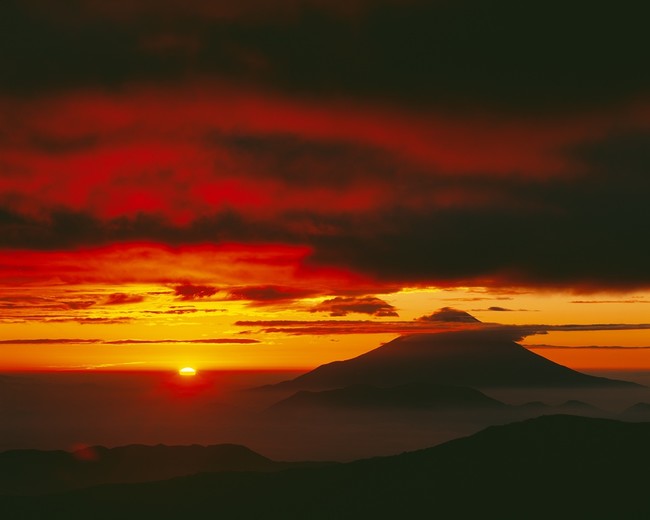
166,332
187,371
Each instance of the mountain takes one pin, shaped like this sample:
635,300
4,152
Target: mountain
571,407
419,404
636,412
413,396
554,466
473,358
34,471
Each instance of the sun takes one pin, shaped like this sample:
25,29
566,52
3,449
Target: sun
187,371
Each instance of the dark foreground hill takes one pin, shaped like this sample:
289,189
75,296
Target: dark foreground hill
549,467
33,471
474,358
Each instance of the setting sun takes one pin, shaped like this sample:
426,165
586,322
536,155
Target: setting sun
187,371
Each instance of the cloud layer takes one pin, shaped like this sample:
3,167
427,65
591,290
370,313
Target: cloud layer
428,143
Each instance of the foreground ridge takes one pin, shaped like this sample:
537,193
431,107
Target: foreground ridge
551,465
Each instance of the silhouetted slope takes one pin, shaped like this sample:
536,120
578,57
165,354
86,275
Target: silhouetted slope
549,467
34,471
416,396
476,358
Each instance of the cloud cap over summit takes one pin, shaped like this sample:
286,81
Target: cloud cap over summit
449,315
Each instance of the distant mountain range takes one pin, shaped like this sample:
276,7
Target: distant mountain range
428,397
34,471
472,358
636,412
554,466
414,396
451,402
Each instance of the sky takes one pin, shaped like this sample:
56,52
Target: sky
262,184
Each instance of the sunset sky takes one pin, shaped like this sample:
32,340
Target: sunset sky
280,184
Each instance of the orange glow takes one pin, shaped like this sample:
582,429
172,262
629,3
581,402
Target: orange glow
624,358
105,325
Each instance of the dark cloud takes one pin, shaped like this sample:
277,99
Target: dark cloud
68,229
210,341
630,300
25,299
458,322
496,308
592,326
624,151
363,205
466,53
330,327
87,321
342,305
51,144
226,340
595,220
77,304
267,294
24,302
123,299
304,163
63,341
174,311
194,292
477,298
449,315
47,341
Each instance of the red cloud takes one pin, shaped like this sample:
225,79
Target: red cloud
149,151
202,268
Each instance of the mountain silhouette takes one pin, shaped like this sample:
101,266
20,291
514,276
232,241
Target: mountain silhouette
554,466
35,471
473,358
418,404
636,412
413,396
571,407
